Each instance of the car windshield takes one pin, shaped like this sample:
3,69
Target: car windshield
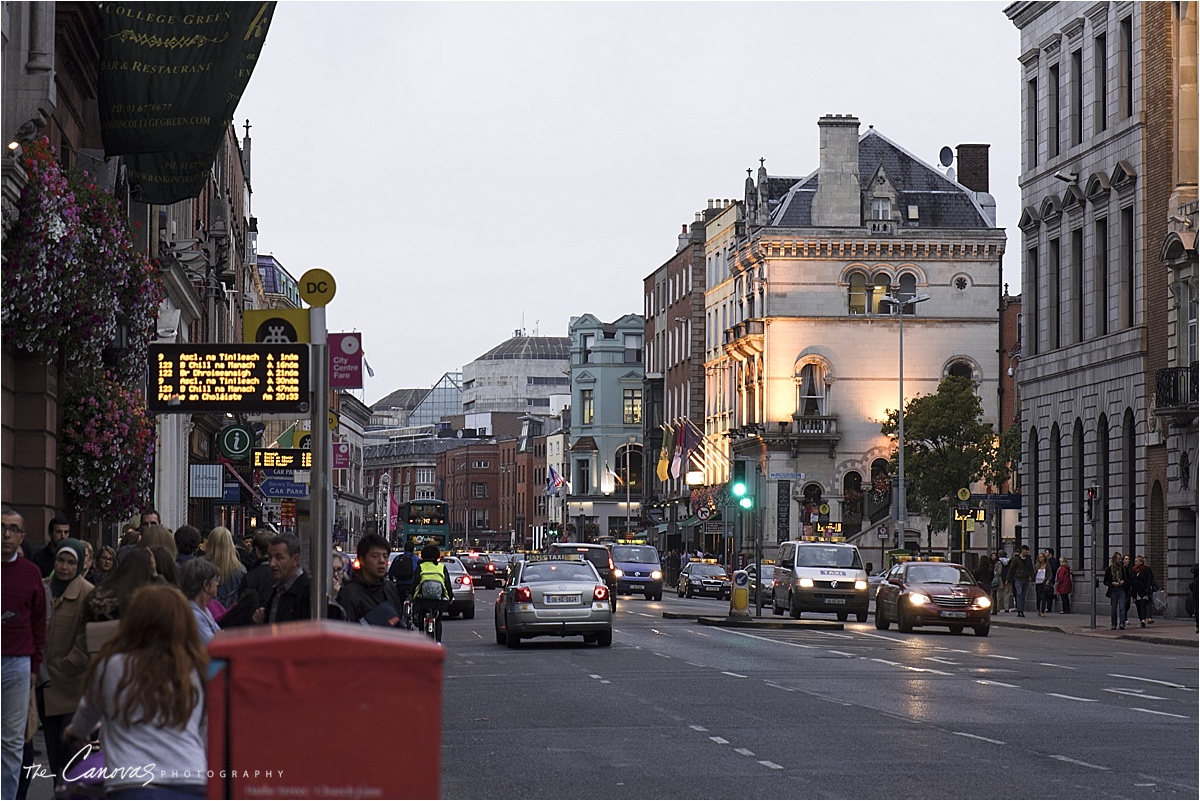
938,574
708,570
454,566
827,556
559,571
640,554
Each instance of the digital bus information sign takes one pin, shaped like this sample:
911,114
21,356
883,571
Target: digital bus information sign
281,458
229,377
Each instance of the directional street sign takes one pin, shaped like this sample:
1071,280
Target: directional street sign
280,484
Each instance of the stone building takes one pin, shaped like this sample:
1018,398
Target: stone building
801,349
1108,92
523,375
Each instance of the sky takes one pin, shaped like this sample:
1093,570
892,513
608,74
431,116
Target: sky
465,170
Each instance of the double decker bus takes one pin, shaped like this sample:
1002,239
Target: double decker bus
425,521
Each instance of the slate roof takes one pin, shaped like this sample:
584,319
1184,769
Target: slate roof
941,203
401,399
557,348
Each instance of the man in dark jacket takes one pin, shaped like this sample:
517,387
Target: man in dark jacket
1021,571
56,532
290,599
367,591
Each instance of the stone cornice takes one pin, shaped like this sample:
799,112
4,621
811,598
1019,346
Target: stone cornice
1050,43
1073,28
1098,14
987,248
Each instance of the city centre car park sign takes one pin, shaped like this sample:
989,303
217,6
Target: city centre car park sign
229,377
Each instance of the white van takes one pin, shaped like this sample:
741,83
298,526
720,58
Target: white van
820,576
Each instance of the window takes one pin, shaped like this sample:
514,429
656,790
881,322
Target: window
907,291
858,293
537,402
1126,65
480,464
1100,274
1052,100
633,349
589,341
1031,276
1127,277
881,208
1031,122
424,493
812,391
632,406
1052,296
1188,343
424,475
587,406
548,381
1077,285
962,370
479,489
582,484
1100,79
1076,97
479,518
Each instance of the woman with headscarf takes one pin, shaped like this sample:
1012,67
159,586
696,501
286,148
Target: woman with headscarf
66,656
147,688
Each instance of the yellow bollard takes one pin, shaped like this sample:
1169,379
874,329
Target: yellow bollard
739,595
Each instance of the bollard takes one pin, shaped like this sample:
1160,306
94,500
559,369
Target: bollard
739,595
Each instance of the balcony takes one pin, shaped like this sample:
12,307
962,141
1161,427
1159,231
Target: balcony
745,339
1175,393
806,434
881,227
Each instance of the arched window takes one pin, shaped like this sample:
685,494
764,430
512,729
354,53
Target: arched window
858,293
908,289
811,402
852,503
962,370
876,290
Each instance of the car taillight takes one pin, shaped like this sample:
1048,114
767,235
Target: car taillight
491,568
465,580
524,595
600,593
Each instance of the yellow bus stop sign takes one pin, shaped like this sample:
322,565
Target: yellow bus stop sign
317,287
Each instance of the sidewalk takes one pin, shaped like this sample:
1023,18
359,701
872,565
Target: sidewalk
1176,631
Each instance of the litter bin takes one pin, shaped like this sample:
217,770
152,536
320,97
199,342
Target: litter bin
324,709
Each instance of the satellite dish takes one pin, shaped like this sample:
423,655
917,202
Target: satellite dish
946,156
950,174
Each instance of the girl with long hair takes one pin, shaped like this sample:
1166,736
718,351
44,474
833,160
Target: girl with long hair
220,550
113,595
147,686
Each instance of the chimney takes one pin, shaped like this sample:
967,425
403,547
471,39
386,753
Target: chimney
685,239
838,202
973,167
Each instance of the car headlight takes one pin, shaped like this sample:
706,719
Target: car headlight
918,598
656,574
983,602
618,572
806,582
859,584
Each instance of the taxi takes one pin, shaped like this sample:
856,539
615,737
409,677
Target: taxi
820,574
554,595
703,577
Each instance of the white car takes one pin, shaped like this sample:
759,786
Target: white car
463,586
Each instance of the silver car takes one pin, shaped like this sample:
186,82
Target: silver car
554,596
463,586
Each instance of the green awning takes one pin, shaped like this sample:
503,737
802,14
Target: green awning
691,521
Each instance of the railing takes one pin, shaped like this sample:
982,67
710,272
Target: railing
1176,387
881,226
814,426
879,505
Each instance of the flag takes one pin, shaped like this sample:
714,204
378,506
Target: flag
615,477
367,365
679,460
554,482
393,512
664,455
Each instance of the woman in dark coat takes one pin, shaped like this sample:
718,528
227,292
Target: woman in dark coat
1142,588
1117,578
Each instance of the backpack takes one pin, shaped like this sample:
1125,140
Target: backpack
431,590
403,569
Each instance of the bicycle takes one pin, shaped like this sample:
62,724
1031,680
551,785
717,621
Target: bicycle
431,619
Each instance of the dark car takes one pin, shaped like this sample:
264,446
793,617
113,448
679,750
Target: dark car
768,589
600,558
932,594
638,571
482,569
702,577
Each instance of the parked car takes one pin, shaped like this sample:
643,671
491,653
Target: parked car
932,594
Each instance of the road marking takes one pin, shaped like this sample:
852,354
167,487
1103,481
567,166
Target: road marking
719,740
697,728
1062,758
605,681
1135,693
942,661
953,650
1051,664
1152,681
914,669
1073,697
778,686
840,636
696,664
998,684
768,763
1155,712
881,636
593,675
744,751
886,662
768,639
842,653
664,656
735,675
998,656
643,614
977,737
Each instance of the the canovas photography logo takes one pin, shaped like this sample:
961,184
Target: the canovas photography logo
80,770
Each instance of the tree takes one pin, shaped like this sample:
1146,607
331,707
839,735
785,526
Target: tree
947,446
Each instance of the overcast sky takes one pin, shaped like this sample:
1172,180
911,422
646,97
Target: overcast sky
466,169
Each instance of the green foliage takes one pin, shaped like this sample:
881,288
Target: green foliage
947,446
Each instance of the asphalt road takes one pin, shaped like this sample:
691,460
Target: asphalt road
674,709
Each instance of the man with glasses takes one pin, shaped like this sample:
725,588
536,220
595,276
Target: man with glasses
21,645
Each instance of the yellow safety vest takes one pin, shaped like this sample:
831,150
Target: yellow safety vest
430,571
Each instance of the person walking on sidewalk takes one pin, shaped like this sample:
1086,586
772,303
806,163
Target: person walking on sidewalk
1117,578
1021,572
1043,578
1063,586
1142,588
1004,594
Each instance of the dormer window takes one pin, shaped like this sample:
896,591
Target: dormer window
881,208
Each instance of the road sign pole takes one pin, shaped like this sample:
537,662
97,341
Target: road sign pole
320,508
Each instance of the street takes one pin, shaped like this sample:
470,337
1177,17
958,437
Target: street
675,709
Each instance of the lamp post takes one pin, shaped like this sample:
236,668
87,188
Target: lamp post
902,502
630,442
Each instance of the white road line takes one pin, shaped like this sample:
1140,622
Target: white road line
643,614
1151,681
998,656
696,664
1155,712
1135,693
1062,758
881,636
744,751
735,675
839,636
953,650
664,656
942,661
913,669
887,662
842,653
1051,664
1073,697
768,763
767,639
779,686
719,740
697,728
593,675
977,737
998,684
605,681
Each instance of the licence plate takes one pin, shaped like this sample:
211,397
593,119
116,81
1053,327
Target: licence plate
835,600
953,614
561,599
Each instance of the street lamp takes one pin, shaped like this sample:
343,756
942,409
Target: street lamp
630,442
902,504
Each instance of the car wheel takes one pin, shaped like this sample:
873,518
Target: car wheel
956,629
499,636
687,593
604,638
512,640
794,606
469,614
902,621
843,616
861,617
679,591
588,639
982,631
881,620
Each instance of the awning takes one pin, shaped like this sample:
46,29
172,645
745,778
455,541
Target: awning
691,521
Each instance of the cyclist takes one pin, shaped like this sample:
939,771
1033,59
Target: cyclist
431,571
402,573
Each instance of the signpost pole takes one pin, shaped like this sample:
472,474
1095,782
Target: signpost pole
322,541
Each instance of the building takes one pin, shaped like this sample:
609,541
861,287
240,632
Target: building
803,335
412,408
523,375
606,426
1108,93
350,497
470,478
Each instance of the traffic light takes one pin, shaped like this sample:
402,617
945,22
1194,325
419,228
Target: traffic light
738,485
1090,507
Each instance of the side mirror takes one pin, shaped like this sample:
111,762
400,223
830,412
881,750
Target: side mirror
787,564
894,580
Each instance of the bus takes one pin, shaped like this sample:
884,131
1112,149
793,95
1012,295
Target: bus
425,521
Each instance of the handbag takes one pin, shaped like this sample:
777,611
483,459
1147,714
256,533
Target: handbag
99,632
1160,600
